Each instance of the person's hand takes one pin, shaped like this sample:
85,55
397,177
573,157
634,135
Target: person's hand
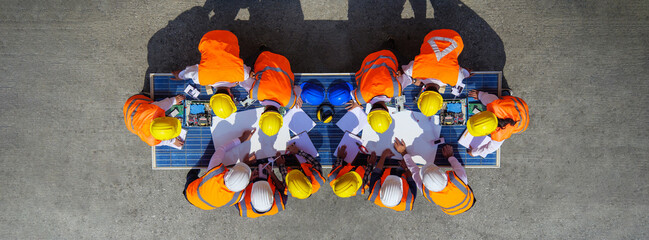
342,152
279,159
254,174
402,163
400,146
292,149
416,82
387,153
247,134
179,142
473,94
468,151
179,98
447,151
175,73
372,158
269,169
351,105
250,159
299,102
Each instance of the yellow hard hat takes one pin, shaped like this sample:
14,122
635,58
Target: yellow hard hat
347,185
270,122
165,128
430,102
482,123
298,184
222,105
379,120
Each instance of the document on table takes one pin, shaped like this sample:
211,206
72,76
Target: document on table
469,141
353,121
183,136
298,121
351,141
303,142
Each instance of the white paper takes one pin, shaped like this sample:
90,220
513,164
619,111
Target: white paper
192,91
353,121
416,130
349,140
224,130
303,142
298,121
183,136
469,141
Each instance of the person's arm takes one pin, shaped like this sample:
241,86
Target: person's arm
369,168
311,160
486,97
247,83
166,103
219,153
282,167
458,169
488,148
190,72
407,69
413,169
280,185
246,72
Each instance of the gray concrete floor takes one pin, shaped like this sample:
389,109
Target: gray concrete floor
69,169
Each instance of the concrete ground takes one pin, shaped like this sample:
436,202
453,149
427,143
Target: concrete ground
69,169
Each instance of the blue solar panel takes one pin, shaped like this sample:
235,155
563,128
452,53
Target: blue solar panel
325,136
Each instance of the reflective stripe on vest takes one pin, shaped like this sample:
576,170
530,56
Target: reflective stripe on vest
463,204
368,65
407,197
138,114
255,89
440,64
524,118
464,190
205,179
513,108
447,50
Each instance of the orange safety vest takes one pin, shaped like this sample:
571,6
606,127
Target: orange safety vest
316,178
220,60
509,107
438,57
407,199
456,198
246,209
377,76
138,114
209,191
273,80
341,170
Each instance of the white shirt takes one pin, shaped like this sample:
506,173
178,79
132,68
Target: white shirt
165,104
219,153
191,72
407,70
416,174
492,145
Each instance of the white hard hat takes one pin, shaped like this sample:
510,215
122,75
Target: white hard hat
238,177
261,196
433,178
391,191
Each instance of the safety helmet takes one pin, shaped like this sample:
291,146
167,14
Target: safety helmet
261,196
339,93
312,93
222,105
482,123
270,122
325,113
430,102
391,191
433,178
298,184
165,128
379,120
237,177
347,184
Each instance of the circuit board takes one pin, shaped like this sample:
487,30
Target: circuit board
453,113
198,113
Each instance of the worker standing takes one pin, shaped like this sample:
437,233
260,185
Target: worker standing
436,66
449,190
264,195
220,186
347,180
305,180
274,87
147,119
392,188
504,117
220,67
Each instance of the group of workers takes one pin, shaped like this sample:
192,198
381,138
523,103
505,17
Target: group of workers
270,80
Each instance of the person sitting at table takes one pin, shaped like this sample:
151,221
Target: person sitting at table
392,188
146,119
347,180
264,195
302,181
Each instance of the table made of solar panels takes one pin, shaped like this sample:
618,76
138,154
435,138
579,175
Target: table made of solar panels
198,146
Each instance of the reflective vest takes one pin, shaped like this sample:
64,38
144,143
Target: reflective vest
407,199
456,198
438,57
246,209
341,170
138,115
220,60
273,80
316,178
209,191
509,107
377,76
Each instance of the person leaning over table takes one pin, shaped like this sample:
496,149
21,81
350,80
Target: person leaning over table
503,117
146,119
392,188
305,180
347,180
450,190
264,195
220,186
220,67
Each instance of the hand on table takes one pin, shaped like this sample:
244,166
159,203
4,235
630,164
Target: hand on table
292,149
247,134
250,159
447,151
178,142
351,105
468,151
400,146
342,152
473,94
279,159
372,158
387,153
176,77
179,98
